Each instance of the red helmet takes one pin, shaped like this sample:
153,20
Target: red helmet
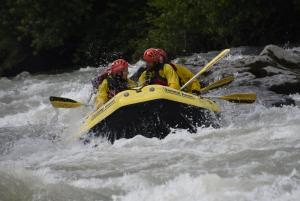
118,66
152,55
162,52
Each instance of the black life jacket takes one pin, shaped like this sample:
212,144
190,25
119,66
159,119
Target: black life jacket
116,84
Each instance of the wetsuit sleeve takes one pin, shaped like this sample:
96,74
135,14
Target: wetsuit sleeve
195,85
171,77
142,79
102,96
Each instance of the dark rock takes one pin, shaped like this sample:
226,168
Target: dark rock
285,101
286,88
258,72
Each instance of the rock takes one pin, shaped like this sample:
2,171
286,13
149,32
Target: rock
284,101
193,60
287,58
286,88
22,75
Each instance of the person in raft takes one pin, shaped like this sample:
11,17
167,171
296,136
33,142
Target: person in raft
184,74
158,72
115,82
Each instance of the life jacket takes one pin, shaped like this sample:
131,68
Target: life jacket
173,66
178,74
116,85
153,77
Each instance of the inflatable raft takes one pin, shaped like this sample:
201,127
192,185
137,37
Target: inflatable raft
151,111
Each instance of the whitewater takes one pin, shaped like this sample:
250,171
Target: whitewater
254,155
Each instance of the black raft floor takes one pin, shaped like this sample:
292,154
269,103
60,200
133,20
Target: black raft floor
152,119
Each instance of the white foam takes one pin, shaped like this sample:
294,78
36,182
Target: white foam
254,156
34,116
235,57
212,187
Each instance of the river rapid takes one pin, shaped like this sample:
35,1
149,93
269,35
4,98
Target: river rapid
254,155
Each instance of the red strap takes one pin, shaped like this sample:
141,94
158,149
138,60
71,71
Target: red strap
160,82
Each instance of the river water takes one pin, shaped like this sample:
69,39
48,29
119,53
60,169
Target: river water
255,155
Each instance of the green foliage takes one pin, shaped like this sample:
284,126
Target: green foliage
176,26
112,31
183,26
31,29
41,35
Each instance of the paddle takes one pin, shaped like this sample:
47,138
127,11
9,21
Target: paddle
207,66
219,83
59,102
236,98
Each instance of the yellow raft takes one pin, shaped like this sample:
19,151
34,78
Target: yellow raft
151,111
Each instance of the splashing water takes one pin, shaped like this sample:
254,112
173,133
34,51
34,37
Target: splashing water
254,156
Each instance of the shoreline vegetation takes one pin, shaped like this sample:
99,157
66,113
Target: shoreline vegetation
53,36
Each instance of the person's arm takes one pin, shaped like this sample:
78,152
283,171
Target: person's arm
142,79
187,74
171,77
195,85
131,83
102,96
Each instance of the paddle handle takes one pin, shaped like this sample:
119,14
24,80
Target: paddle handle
207,66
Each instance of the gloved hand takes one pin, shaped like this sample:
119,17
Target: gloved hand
195,92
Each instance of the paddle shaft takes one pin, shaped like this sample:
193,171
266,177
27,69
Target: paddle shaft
207,66
237,97
219,83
